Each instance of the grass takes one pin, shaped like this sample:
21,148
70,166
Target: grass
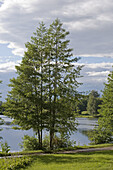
101,160
85,147
96,146
85,114
54,151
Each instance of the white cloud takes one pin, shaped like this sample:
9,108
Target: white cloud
89,22
78,25
8,66
108,55
102,73
99,65
95,75
95,66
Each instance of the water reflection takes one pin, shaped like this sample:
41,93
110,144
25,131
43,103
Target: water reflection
14,137
84,125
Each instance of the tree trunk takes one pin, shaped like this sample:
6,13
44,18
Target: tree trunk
51,139
39,139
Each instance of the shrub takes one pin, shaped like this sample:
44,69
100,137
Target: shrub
100,136
5,147
58,142
29,143
46,142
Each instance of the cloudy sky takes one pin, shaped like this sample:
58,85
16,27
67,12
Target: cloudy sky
90,23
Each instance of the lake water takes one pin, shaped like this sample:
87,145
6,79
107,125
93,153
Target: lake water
14,137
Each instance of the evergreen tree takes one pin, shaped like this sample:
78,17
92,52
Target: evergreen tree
25,101
63,81
104,132
43,94
0,101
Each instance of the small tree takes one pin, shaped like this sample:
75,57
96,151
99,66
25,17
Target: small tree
93,103
81,104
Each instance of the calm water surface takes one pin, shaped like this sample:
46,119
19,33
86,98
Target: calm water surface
14,137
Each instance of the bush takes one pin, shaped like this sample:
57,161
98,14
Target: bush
14,163
100,136
5,147
58,142
46,142
29,143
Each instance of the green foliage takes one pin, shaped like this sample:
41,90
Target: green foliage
29,143
5,147
104,132
46,142
81,104
80,161
93,103
58,142
45,90
99,136
15,163
0,101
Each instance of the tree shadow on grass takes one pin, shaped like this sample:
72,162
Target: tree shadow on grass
107,152
74,158
64,159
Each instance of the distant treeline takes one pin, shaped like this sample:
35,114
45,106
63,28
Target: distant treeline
89,103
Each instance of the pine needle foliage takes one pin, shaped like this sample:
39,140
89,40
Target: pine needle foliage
45,90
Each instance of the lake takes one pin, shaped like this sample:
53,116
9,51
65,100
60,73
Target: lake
14,137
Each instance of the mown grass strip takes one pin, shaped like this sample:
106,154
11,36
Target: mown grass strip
101,160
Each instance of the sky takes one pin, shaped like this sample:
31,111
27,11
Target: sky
90,23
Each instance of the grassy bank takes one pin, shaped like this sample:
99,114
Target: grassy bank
95,160
76,161
54,151
101,160
88,116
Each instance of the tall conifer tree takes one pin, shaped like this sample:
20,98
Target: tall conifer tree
63,82
43,94
25,102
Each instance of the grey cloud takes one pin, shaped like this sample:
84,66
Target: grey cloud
89,22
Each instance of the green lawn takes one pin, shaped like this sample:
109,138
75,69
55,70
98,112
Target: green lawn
99,160
83,161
